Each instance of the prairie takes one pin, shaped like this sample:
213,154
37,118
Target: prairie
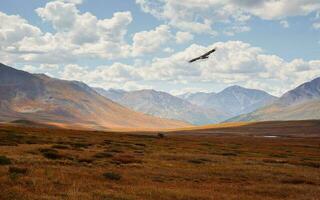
267,160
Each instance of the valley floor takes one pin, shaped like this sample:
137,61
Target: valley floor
257,161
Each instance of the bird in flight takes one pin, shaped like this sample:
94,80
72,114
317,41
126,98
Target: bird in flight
204,56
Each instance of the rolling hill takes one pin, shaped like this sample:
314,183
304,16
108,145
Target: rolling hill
164,105
40,98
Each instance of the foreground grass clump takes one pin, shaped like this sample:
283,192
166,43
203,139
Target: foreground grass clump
4,160
112,176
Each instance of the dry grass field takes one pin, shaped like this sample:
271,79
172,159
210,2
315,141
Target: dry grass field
271,160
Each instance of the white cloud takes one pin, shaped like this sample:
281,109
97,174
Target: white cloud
200,16
116,73
168,50
151,41
83,36
284,24
236,29
189,90
13,29
183,37
62,15
73,1
316,25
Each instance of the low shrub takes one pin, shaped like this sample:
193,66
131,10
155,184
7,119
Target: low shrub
297,181
199,161
81,145
112,176
126,159
51,154
140,144
85,160
17,170
229,154
4,160
60,146
103,155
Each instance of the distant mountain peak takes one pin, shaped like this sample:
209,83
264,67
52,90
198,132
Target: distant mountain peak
234,87
304,92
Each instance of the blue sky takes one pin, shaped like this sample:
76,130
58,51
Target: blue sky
265,44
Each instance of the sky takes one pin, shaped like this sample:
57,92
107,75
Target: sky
273,45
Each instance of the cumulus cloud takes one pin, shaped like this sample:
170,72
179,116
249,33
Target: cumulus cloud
182,37
284,24
62,15
73,1
13,29
82,35
200,16
316,25
151,41
188,90
231,31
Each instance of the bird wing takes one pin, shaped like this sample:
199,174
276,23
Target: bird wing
204,56
195,59
208,53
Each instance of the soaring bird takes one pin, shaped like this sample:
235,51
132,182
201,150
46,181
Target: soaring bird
204,56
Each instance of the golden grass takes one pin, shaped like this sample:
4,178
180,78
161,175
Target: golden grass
198,165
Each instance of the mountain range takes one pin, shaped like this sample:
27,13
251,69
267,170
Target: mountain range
164,105
40,98
195,108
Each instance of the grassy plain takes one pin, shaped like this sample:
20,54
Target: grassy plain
270,160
